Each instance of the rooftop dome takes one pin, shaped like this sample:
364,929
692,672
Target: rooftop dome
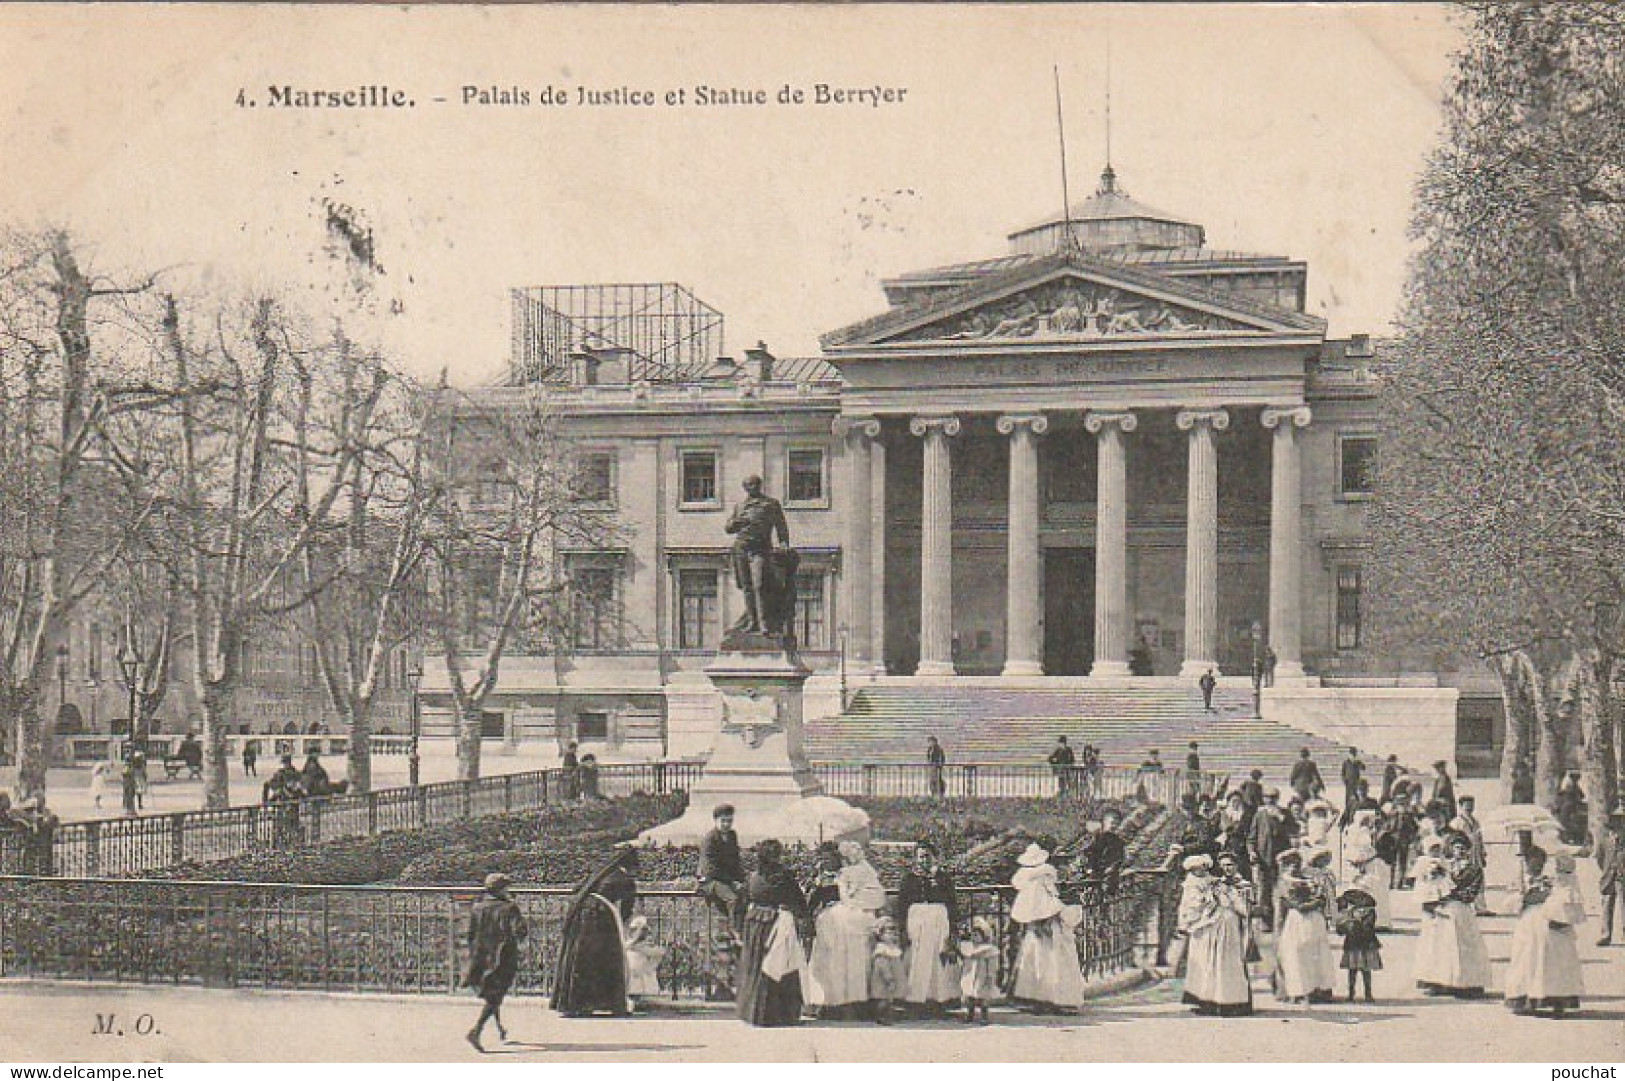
1108,221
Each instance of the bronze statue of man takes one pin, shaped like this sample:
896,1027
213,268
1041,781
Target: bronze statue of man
754,524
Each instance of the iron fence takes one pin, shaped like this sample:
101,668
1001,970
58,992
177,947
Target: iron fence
412,939
129,846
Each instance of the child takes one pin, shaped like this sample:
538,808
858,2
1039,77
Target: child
101,775
886,969
979,978
642,960
1362,950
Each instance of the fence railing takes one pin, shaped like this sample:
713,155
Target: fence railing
998,781
128,846
411,939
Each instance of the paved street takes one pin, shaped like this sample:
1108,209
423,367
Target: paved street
44,1022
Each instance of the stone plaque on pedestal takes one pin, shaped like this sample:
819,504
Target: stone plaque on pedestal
757,761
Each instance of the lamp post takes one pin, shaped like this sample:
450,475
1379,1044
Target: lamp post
130,666
414,677
1258,668
61,676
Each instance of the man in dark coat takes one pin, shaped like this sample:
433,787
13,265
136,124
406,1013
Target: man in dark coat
1305,779
1107,852
722,871
1061,760
1611,862
936,760
1390,774
1352,771
1268,837
1444,790
496,927
1207,683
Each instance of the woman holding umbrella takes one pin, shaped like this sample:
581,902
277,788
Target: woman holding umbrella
592,955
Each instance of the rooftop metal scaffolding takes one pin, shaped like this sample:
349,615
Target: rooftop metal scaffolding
664,331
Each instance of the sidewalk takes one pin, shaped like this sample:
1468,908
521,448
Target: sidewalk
42,1022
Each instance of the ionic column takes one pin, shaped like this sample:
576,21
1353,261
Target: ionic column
1286,524
1111,542
1202,539
1022,642
877,552
859,433
936,547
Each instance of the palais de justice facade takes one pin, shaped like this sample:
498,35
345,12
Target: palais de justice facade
1112,450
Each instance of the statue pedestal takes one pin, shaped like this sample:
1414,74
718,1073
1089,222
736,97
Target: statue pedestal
758,763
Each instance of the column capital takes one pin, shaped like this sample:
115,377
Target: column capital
1187,419
862,427
1009,422
947,424
1297,416
1124,421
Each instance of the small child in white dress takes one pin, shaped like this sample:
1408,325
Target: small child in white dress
642,961
886,976
979,975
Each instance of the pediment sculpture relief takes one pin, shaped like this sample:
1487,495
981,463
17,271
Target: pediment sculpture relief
1075,309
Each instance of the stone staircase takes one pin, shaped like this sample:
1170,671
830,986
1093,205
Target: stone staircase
889,723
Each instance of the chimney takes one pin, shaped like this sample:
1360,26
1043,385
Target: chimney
760,363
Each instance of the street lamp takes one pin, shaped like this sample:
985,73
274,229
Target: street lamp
1258,668
130,665
61,676
414,676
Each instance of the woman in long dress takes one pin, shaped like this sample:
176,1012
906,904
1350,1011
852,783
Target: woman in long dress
928,912
1048,976
771,960
591,973
822,900
1545,972
846,936
1213,917
1368,871
1303,952
1454,960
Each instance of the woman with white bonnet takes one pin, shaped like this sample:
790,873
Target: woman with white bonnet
1304,965
846,935
1213,917
1544,973
1048,976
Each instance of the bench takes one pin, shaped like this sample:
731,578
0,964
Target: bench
174,763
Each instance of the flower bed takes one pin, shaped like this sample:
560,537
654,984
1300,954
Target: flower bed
559,845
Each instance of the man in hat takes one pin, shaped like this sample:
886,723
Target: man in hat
1390,775
1305,779
1268,837
1444,789
1611,861
496,926
722,871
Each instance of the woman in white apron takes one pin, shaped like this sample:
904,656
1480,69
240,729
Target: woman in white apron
928,912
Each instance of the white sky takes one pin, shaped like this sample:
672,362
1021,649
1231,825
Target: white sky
1295,130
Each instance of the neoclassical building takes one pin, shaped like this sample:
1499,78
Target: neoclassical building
1111,454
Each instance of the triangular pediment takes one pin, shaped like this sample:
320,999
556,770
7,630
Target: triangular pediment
1072,298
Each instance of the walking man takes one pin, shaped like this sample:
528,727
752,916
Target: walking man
1269,836
1444,790
1061,760
1208,682
1305,779
1390,775
936,760
1611,860
1353,769
496,926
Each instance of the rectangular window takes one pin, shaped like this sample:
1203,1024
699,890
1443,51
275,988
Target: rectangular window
493,724
805,469
1348,608
697,622
809,626
1357,460
592,727
699,482
595,620
594,480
